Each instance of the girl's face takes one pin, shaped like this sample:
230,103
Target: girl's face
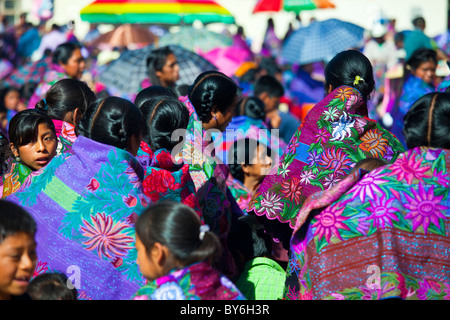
170,72
38,153
426,71
12,100
148,264
75,65
17,263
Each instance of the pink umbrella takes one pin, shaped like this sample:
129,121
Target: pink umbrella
227,59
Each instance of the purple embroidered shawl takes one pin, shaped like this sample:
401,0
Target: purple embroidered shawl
85,203
377,235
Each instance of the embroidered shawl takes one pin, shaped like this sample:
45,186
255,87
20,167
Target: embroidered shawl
335,134
165,180
13,180
377,235
219,208
198,281
85,203
208,174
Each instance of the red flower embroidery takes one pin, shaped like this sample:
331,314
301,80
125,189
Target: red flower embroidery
93,185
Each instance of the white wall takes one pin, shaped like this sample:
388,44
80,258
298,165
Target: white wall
361,12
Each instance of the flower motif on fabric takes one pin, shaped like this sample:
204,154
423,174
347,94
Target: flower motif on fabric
307,176
168,291
329,222
330,181
93,185
374,143
382,212
359,125
424,208
322,136
335,159
313,158
331,113
408,168
283,170
344,93
367,186
341,128
108,238
292,189
270,205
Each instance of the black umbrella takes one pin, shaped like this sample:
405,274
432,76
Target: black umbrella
127,72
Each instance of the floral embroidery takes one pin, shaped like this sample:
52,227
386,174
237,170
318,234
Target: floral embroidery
374,143
106,236
292,189
270,204
408,168
328,223
382,212
341,128
424,208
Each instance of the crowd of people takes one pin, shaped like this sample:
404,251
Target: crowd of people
279,182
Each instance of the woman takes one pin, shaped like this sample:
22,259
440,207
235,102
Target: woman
163,68
382,234
86,202
67,62
65,102
419,77
164,178
211,103
249,161
33,142
335,134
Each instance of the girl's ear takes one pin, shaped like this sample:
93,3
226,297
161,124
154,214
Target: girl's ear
245,168
160,255
14,150
77,115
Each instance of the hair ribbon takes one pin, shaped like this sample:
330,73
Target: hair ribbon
203,229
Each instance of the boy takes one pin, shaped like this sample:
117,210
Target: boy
17,251
270,91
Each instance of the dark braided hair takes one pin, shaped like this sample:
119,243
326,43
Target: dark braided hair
212,89
112,121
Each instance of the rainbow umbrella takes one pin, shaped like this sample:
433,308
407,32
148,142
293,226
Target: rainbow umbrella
291,5
155,11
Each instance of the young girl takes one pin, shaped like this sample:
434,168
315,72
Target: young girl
164,178
249,161
9,100
33,144
65,102
175,251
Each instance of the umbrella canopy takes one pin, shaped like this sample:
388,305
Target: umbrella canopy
30,72
195,38
321,41
228,59
155,11
126,73
124,36
291,5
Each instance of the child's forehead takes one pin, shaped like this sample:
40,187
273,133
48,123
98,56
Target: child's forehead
18,240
